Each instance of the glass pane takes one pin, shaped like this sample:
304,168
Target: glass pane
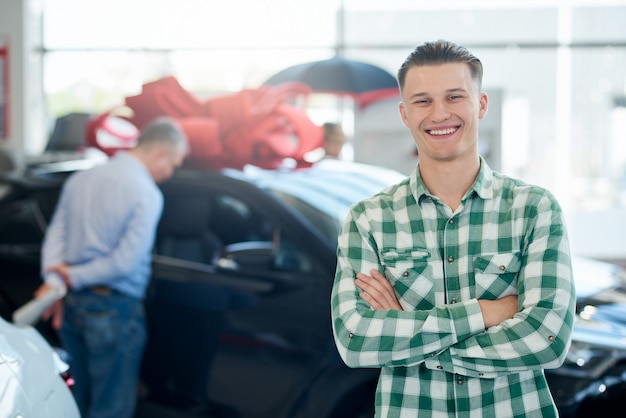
557,91
188,24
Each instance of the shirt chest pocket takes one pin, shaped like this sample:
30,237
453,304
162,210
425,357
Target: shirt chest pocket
495,275
408,271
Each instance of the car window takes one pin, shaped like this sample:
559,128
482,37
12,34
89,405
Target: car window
327,224
205,227
252,239
234,220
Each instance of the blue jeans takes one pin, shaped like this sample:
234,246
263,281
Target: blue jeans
105,336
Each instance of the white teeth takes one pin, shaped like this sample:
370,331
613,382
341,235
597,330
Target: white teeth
443,131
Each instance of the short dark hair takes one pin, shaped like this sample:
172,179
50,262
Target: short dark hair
441,52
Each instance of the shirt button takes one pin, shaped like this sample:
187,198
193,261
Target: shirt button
453,301
502,268
450,259
351,335
451,221
551,338
406,273
440,367
432,354
459,381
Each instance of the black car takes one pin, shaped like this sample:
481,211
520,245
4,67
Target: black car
238,307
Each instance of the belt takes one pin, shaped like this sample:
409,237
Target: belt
102,290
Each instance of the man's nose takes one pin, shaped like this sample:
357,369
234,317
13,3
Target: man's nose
439,111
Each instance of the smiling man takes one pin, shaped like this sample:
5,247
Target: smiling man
456,282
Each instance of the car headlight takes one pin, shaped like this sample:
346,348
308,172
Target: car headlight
61,364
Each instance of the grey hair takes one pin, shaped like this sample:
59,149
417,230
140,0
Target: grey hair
163,130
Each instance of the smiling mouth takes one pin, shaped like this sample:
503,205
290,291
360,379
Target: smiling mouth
442,131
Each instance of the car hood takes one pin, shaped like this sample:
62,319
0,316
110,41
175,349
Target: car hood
601,325
601,302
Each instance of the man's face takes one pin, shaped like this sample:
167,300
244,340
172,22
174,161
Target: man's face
334,143
167,161
441,106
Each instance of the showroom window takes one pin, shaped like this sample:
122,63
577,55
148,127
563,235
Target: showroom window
556,70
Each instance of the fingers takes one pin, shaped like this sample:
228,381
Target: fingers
377,291
57,315
54,312
372,302
46,314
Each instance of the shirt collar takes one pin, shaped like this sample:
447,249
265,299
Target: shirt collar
482,186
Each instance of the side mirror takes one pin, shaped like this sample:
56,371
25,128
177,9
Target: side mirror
248,255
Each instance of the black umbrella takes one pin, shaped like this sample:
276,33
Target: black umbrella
365,82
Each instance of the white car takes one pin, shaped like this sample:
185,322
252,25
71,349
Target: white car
34,381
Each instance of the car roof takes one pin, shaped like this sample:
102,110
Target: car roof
330,186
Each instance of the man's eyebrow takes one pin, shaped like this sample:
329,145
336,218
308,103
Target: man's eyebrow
418,95
449,91
456,90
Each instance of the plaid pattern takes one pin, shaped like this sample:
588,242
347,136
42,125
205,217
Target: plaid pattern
436,358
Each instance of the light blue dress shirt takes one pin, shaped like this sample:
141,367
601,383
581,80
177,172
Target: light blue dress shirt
104,227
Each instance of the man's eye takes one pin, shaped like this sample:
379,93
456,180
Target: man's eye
455,97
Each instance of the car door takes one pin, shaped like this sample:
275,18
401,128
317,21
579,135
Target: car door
238,307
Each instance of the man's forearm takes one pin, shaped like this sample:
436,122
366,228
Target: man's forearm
496,311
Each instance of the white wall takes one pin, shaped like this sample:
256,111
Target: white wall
599,234
20,27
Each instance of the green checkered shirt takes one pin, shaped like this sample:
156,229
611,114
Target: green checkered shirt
436,358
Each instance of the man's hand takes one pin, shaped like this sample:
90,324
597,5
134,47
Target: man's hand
54,311
496,311
377,291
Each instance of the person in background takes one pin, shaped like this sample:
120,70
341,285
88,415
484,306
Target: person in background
99,245
334,139
457,281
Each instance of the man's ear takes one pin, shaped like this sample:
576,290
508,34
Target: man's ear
402,109
484,105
